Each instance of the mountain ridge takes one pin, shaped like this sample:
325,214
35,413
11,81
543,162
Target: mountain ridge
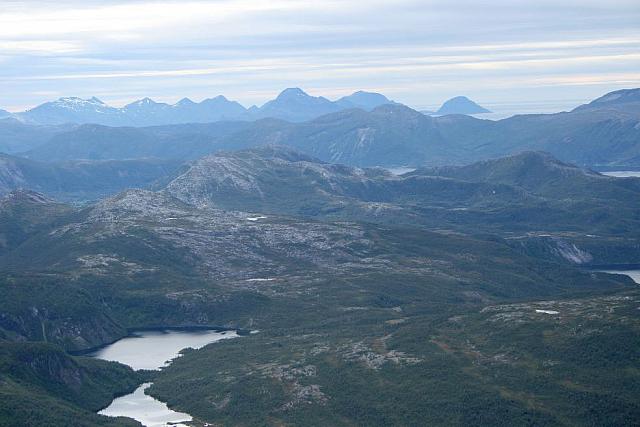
624,100
388,135
292,104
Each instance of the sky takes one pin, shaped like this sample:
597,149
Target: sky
538,55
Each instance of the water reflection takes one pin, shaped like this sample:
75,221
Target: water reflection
145,409
622,174
153,350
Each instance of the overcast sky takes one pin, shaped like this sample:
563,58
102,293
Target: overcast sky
544,54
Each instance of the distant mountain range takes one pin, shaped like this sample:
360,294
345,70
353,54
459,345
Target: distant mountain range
292,104
395,135
603,133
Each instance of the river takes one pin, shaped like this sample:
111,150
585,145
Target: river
153,350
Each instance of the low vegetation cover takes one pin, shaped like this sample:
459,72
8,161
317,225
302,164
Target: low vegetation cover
374,312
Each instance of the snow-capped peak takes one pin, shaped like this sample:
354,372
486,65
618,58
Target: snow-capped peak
75,103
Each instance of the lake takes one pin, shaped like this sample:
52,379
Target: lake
622,174
145,409
153,350
634,274
400,170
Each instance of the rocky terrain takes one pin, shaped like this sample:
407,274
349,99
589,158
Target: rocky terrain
370,293
537,202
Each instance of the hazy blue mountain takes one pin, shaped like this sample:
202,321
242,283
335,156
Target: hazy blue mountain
147,112
4,114
586,137
625,100
395,135
295,105
97,142
291,104
16,136
211,109
75,110
461,105
365,100
80,180
144,112
389,135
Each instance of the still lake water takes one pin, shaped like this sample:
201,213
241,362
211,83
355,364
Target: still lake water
634,274
622,174
145,409
153,350
400,170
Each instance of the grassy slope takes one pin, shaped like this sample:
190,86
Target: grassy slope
360,337
368,349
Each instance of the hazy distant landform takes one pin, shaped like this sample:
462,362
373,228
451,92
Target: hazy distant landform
459,105
51,158
292,104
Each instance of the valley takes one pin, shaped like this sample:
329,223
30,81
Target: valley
152,350
449,294
242,213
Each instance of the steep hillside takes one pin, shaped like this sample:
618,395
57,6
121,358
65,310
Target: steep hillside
625,100
42,385
388,135
543,175
485,194
79,180
25,213
95,142
16,137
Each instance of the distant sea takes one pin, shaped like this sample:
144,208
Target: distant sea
503,110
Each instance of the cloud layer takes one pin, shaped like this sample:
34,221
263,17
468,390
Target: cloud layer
417,52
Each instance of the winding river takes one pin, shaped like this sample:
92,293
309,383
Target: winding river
153,350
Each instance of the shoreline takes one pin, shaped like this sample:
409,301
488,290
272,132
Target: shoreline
131,331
